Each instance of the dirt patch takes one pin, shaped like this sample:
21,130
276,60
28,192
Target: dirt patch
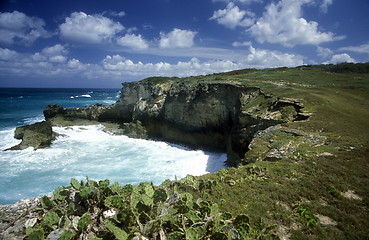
350,194
326,221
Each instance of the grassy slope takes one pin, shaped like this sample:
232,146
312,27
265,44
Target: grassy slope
340,106
289,196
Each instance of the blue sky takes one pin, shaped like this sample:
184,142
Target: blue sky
81,43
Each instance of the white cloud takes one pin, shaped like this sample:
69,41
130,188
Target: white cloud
233,16
6,54
324,52
257,58
57,49
57,59
340,58
75,64
242,44
325,4
18,28
53,63
54,54
177,39
83,28
261,58
364,48
133,41
283,23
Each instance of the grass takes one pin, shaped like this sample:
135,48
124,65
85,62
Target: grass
339,103
321,192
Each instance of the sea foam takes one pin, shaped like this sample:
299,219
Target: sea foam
82,151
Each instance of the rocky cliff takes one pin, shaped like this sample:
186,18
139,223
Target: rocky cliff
220,116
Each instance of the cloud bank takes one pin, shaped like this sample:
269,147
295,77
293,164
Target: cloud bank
18,28
88,29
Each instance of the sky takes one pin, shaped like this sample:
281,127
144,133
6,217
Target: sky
100,44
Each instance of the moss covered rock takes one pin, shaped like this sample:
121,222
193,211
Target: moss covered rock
38,135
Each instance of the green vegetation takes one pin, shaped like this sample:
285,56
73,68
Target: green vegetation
104,211
319,192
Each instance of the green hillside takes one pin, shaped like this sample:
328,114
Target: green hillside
321,191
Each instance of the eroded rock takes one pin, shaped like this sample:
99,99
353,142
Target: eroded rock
38,135
219,116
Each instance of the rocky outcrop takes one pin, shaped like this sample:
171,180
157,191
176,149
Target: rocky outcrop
277,142
16,217
38,135
223,116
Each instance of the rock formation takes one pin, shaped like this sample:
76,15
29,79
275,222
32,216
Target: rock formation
220,116
38,135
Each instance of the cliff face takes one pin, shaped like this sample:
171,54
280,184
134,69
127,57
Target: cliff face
223,116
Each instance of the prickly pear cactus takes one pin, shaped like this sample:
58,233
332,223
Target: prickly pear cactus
101,210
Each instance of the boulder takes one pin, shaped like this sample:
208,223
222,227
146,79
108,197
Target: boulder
38,135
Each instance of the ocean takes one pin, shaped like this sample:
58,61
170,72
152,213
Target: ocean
84,151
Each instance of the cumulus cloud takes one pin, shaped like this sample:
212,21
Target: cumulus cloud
261,58
54,54
340,58
133,41
117,65
364,48
6,54
283,23
18,28
57,49
324,52
233,16
83,28
177,38
50,62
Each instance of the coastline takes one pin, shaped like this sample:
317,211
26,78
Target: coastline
296,175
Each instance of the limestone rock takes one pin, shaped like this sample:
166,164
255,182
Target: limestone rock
38,135
220,116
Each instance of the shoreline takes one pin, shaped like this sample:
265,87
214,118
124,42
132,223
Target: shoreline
201,161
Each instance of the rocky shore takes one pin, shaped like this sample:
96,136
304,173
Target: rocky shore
218,116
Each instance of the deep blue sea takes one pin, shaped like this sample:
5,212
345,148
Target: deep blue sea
83,151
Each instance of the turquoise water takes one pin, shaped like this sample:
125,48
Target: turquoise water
84,151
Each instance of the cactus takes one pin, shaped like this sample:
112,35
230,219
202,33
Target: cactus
195,233
144,211
160,195
59,194
242,222
50,219
220,236
46,203
118,233
104,184
147,200
187,199
35,234
115,188
83,222
193,216
71,209
116,201
75,184
175,236
151,227
86,192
